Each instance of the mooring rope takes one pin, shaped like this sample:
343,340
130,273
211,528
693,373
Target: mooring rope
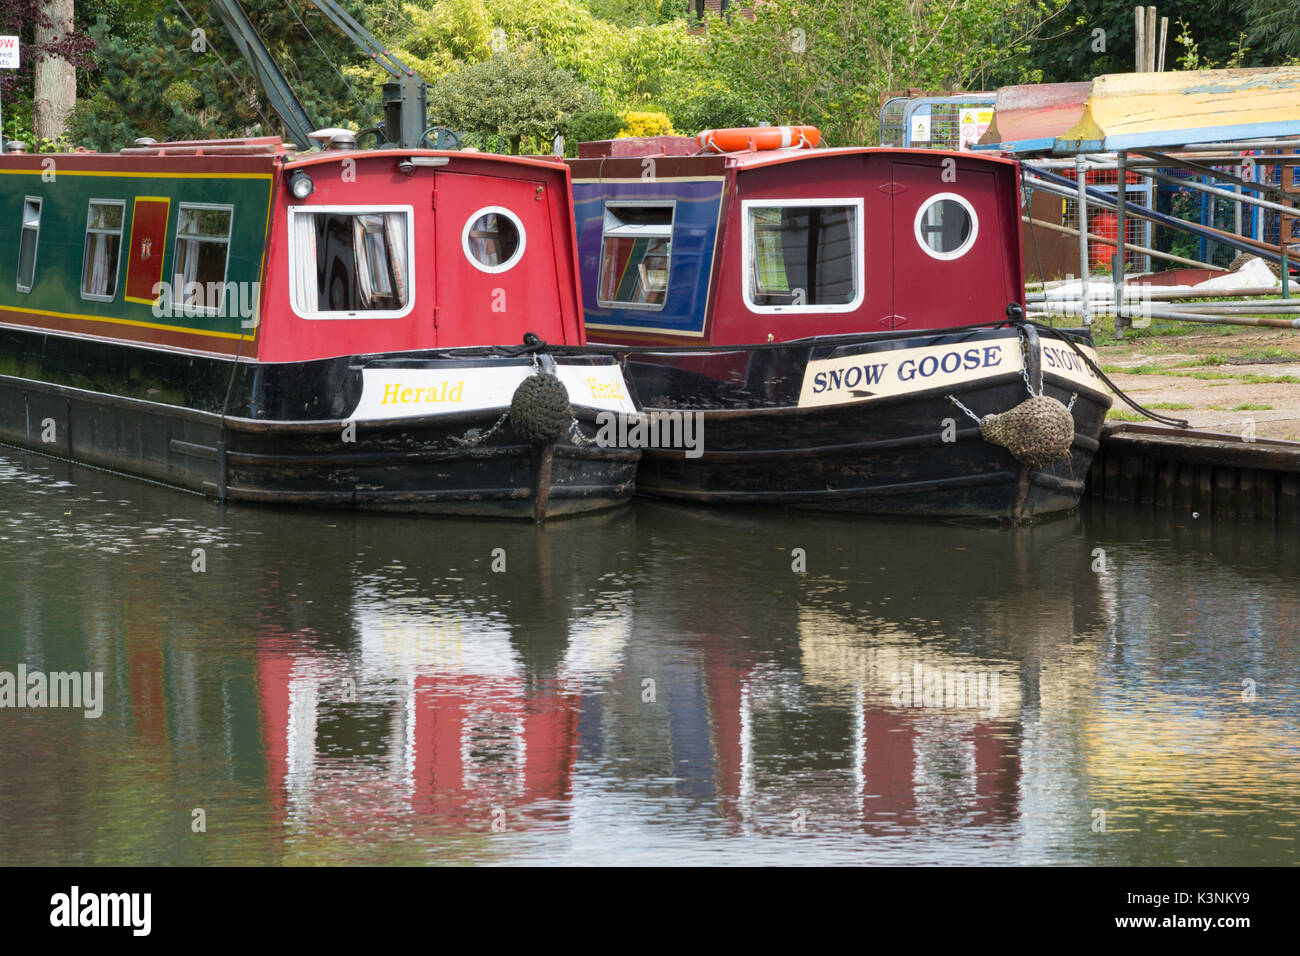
1154,416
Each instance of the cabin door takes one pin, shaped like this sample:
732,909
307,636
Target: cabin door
496,275
950,256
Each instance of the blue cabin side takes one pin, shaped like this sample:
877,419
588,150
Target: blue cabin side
628,232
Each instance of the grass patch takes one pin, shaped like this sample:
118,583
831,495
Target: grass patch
1134,370
1171,406
1269,379
1248,407
1269,355
1205,360
1119,415
1205,375
1103,331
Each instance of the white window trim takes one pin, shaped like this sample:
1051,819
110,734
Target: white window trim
36,246
119,232
509,263
180,308
966,246
670,205
747,256
295,211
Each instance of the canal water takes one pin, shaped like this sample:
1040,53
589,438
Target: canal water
660,685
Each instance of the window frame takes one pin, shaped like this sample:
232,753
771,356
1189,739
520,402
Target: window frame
36,244
671,206
120,232
181,307
519,250
748,250
966,246
351,210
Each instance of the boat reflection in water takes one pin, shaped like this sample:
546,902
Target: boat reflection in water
652,685
457,728
461,715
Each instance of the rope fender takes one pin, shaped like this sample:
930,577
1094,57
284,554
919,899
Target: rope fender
1038,431
539,410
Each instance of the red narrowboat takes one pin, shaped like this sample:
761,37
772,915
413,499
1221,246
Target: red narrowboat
845,322
364,328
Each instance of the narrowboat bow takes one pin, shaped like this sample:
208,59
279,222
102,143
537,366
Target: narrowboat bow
366,328
844,323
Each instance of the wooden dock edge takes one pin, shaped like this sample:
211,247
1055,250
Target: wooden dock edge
1206,472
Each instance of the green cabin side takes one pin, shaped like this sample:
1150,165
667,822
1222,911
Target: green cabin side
94,245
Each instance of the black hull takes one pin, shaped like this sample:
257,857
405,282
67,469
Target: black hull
889,456
458,463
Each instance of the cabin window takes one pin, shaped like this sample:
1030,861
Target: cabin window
493,239
635,252
351,263
202,254
946,226
103,247
803,254
31,231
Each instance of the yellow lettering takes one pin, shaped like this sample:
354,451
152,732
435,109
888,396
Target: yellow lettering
601,389
390,394
406,396
456,392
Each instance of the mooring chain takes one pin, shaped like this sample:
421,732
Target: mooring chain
467,441
1024,364
956,401
579,439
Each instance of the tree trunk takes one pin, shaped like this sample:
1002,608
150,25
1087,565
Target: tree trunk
56,80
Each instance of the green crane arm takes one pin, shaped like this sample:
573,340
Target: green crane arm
404,95
405,108
283,100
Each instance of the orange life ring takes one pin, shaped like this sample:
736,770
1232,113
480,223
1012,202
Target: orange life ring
759,137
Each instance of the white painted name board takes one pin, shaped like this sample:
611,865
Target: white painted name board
405,393
8,53
855,378
1060,359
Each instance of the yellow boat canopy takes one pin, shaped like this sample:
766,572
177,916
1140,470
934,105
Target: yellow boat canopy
1148,110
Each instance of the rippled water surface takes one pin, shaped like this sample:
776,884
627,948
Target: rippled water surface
658,685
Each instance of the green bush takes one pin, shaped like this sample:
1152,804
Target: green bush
591,126
711,105
519,95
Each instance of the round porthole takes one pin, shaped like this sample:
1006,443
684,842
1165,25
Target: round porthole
493,239
946,226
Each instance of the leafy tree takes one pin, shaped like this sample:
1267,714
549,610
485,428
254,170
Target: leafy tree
700,103
826,62
521,96
171,83
1097,36
445,36
1273,27
37,25
628,67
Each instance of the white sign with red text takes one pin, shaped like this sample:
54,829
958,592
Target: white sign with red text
8,53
